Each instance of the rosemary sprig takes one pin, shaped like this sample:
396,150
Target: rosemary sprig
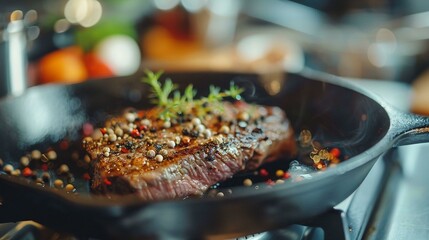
162,92
184,103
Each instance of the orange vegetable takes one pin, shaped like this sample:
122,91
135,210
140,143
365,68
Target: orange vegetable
64,65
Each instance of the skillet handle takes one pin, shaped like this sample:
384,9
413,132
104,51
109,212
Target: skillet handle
17,202
408,128
10,213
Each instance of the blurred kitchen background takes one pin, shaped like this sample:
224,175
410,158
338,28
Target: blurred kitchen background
69,41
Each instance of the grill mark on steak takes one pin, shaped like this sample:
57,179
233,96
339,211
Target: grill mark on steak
192,163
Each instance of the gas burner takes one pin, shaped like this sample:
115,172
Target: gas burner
256,236
292,232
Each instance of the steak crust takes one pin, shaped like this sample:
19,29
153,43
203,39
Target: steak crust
156,159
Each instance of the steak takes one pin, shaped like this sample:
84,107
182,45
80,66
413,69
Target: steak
141,154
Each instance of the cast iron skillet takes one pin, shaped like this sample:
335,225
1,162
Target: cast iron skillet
336,112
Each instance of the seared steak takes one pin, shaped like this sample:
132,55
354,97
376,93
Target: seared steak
156,159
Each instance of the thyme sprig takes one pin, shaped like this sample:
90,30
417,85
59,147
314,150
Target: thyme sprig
172,102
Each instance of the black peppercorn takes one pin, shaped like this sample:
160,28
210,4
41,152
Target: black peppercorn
128,144
195,133
158,147
46,177
185,131
257,130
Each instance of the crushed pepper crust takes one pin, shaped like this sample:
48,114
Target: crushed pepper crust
140,149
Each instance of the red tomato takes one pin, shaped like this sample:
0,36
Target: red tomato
96,67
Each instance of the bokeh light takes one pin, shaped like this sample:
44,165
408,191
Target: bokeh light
84,12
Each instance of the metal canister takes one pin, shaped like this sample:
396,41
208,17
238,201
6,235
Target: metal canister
13,54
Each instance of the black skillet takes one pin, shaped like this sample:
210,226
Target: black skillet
337,113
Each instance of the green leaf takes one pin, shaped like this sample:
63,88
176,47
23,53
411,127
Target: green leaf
234,91
189,94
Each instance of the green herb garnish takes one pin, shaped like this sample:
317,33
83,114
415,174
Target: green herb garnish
172,102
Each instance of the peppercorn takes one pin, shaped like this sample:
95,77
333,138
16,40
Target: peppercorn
279,181
186,140
163,152
112,137
46,177
36,154
177,140
263,172
40,182
335,152
110,131
207,133
130,117
224,129
128,144
25,161
243,116
63,169
270,182
200,127
194,133
52,155
166,124
27,172
119,131
185,131
44,167
196,121
257,130
145,122
150,154
247,182
280,173
16,172
171,144
70,188
180,119
242,124
286,175
158,147
107,181
58,183
86,158
8,168
159,158
135,133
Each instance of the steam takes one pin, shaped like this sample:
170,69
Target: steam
299,171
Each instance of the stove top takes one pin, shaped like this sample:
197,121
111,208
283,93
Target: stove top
403,209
